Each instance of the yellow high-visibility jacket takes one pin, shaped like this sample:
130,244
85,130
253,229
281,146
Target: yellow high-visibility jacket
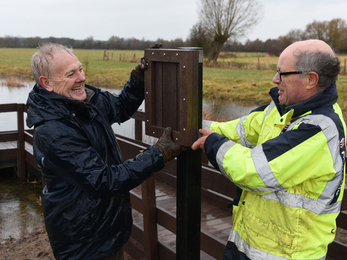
289,162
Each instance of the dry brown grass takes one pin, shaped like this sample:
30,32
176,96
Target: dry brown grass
14,82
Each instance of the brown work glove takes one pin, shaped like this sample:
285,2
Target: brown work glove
139,71
168,148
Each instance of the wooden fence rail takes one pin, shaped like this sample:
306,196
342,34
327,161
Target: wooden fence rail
144,242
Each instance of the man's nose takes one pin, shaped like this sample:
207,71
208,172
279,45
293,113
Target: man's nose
81,76
276,79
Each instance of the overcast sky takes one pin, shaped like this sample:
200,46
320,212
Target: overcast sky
149,19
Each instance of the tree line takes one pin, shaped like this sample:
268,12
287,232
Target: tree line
333,32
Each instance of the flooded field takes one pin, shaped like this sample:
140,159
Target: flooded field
20,211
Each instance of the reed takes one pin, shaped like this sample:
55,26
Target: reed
13,82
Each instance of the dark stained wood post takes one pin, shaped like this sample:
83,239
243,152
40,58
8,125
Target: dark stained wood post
189,191
20,143
150,229
173,97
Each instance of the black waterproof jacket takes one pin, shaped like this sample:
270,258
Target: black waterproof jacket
86,199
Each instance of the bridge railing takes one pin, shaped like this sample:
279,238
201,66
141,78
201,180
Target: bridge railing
144,240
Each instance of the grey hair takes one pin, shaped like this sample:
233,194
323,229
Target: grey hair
40,61
326,65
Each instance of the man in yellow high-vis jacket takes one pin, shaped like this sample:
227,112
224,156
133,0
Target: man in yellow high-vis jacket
288,157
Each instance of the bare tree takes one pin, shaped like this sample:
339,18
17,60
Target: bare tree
225,19
198,37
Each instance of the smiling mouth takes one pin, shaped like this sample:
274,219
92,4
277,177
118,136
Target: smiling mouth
77,89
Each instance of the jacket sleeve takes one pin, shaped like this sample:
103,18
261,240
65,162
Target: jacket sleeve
244,130
68,155
120,107
288,160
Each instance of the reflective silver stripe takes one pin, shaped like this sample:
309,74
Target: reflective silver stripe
270,107
300,201
321,205
252,252
264,171
241,132
332,136
220,156
206,124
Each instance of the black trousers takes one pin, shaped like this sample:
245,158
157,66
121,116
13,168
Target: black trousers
231,252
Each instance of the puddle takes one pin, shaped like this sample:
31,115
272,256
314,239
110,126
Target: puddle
20,211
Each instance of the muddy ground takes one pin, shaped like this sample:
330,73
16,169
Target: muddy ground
31,246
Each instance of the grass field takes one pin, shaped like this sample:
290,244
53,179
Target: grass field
239,84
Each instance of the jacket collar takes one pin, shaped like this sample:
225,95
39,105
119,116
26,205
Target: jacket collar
327,97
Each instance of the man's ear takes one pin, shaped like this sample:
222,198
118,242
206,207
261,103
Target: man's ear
312,80
45,83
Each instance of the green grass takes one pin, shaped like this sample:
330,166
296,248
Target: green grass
249,85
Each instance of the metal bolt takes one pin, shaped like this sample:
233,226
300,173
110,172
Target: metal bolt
146,92
184,67
176,54
152,53
164,53
184,129
147,120
184,99
176,139
153,132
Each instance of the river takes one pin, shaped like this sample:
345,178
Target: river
20,210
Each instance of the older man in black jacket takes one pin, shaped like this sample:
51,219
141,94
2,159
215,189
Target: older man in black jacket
86,200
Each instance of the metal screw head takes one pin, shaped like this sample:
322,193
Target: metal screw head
184,67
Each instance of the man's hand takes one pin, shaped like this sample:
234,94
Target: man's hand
200,143
139,71
168,148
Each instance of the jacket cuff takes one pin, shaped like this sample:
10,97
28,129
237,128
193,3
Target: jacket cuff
212,144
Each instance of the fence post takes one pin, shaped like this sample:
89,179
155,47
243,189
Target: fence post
173,97
20,143
150,230
188,220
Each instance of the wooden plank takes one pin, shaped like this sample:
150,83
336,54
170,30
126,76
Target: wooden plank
8,107
341,220
8,136
337,250
8,145
8,154
212,245
344,200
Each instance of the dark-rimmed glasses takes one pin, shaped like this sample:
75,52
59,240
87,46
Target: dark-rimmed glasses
288,73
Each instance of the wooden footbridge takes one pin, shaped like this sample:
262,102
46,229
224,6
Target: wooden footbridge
156,228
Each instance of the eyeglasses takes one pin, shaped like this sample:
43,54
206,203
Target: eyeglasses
288,73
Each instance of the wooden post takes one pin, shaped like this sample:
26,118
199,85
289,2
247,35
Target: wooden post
173,93
188,222
20,143
150,219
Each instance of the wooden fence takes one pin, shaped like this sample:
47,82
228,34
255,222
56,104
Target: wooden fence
144,243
